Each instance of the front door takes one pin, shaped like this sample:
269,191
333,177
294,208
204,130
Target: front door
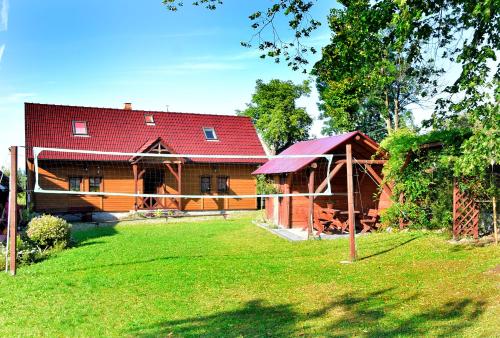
153,181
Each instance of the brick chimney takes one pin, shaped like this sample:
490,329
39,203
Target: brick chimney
127,106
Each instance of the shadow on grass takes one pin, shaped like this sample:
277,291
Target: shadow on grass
374,314
84,237
391,248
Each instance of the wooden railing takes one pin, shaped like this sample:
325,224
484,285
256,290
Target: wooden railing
149,203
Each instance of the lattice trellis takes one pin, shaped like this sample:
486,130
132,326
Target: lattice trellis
465,214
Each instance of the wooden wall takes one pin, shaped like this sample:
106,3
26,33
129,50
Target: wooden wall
118,177
366,191
366,195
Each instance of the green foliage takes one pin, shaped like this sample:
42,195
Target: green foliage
424,167
48,231
274,113
3,253
266,186
270,42
21,177
28,252
368,74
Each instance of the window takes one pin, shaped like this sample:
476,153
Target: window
222,184
149,119
205,184
80,128
95,184
210,134
75,184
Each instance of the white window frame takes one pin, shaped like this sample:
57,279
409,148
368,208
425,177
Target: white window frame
73,125
205,129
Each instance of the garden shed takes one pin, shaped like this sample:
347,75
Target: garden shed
355,176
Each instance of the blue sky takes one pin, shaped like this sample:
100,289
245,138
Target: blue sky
104,53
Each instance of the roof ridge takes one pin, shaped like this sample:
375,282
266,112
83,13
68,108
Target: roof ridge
132,110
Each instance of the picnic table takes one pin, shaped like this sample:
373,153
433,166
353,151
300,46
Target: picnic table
329,218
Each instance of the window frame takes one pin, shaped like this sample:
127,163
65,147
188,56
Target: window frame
75,178
212,130
225,179
205,191
100,183
149,123
74,122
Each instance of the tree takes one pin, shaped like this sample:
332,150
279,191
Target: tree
274,113
368,75
465,32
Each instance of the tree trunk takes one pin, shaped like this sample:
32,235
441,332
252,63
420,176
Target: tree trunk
396,114
387,119
396,108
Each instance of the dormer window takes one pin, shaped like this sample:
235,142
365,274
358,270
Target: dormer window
80,128
149,119
210,134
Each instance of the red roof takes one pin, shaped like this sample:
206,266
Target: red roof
319,146
119,130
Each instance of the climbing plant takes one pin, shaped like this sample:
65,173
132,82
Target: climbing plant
423,169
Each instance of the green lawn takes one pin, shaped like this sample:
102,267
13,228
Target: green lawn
231,278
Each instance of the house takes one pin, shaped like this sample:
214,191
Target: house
136,131
293,175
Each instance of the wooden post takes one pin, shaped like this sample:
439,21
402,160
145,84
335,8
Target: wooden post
350,203
310,214
13,209
134,169
179,184
288,201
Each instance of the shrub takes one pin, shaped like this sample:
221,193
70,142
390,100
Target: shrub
3,252
48,231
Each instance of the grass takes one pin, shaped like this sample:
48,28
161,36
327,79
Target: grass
231,278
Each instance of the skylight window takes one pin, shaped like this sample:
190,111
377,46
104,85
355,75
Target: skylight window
80,128
149,119
210,134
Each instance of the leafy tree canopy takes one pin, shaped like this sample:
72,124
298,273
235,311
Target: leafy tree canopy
274,113
367,76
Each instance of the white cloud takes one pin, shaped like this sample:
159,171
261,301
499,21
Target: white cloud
4,15
2,49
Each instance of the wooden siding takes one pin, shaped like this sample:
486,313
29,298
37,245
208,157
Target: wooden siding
119,177
366,191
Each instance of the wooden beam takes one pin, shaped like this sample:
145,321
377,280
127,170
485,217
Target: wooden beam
176,175
363,161
334,172
310,214
350,204
30,184
143,171
379,180
13,209
136,186
179,184
288,200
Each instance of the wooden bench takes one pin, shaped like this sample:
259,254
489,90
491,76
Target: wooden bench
371,221
329,218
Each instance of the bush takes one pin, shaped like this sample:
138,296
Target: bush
3,252
48,231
